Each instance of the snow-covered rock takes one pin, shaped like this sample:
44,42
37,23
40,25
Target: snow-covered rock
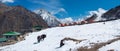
114,46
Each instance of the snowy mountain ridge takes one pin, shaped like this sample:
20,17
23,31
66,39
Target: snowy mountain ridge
48,17
97,15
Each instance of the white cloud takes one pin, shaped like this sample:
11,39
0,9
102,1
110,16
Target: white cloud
48,5
59,10
4,1
53,6
98,12
66,20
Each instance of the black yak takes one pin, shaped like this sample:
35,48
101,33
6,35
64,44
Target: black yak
61,43
41,37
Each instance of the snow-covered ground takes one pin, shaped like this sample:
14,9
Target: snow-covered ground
115,46
93,33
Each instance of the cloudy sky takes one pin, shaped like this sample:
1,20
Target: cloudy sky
65,8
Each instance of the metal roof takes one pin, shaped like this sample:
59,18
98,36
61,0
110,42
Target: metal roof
11,33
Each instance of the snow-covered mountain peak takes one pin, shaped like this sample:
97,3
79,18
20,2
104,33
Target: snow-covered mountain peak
43,13
48,17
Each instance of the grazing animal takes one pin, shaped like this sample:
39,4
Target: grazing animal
41,37
61,43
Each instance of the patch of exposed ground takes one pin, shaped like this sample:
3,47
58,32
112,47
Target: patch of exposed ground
72,39
96,46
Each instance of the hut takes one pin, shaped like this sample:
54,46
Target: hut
37,28
70,24
61,25
75,23
3,39
12,36
91,21
83,22
79,23
65,24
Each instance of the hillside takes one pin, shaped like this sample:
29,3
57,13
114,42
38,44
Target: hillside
18,18
113,13
97,36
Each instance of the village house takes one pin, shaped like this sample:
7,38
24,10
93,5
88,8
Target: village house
37,28
12,36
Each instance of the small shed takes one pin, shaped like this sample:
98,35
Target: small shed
65,24
83,22
3,39
91,21
38,28
75,23
61,25
11,35
70,24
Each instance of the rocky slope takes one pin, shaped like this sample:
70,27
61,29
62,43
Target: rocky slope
17,18
113,13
